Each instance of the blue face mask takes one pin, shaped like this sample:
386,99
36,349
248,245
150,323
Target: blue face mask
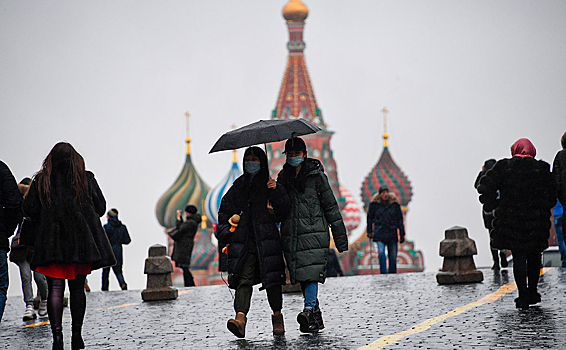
294,161
252,167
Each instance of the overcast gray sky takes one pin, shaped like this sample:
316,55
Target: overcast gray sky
462,80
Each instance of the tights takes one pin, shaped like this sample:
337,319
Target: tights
526,265
55,302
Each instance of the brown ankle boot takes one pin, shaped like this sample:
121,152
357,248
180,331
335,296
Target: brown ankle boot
278,325
238,325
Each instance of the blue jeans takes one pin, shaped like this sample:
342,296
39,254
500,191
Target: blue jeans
560,238
392,254
3,280
310,293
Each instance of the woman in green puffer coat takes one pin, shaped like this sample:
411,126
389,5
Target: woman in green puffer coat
305,230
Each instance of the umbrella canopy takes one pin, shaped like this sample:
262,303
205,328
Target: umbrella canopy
264,131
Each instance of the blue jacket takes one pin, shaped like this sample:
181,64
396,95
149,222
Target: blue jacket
384,218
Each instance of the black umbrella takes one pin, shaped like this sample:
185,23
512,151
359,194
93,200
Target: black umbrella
264,131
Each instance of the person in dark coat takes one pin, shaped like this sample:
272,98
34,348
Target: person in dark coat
521,191
305,230
64,205
21,255
10,217
333,268
247,229
184,242
384,225
559,172
118,235
488,218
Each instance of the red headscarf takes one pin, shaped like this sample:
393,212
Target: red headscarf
523,148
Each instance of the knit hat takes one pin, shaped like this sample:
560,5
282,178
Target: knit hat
383,188
191,209
113,212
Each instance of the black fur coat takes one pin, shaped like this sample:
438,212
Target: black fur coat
64,232
522,192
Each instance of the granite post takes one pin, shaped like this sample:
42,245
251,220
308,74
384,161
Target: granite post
158,269
458,251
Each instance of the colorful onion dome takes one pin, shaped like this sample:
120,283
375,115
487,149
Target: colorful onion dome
295,11
189,188
352,212
214,197
386,172
204,252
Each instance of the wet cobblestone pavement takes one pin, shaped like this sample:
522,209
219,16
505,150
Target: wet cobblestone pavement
406,311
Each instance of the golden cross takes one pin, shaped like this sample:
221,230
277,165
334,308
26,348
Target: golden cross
187,115
385,111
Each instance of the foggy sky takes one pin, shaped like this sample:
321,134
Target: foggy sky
462,81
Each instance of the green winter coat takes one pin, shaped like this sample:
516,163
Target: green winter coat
304,232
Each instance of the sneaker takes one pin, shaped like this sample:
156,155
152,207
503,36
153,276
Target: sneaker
30,313
42,308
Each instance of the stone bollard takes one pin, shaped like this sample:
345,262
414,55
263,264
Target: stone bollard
458,251
158,269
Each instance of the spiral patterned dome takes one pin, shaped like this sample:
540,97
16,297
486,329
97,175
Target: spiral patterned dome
189,188
386,172
204,252
214,197
352,212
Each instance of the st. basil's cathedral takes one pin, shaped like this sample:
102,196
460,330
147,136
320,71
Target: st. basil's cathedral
296,99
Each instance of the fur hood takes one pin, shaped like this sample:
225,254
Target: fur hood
392,198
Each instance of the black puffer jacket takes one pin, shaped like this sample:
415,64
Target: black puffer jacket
10,206
65,232
527,193
559,172
185,240
384,218
249,200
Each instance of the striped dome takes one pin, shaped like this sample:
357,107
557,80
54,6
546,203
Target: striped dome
189,188
352,212
214,197
386,172
204,251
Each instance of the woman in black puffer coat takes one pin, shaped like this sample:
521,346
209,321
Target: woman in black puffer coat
521,192
247,228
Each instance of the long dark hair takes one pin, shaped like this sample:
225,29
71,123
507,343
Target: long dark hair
64,160
263,175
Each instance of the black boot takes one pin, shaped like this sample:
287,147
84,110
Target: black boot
307,321
58,340
77,338
522,303
318,318
503,256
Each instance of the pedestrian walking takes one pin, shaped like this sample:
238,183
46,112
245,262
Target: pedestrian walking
559,172
488,219
118,235
64,204
21,255
184,241
10,217
385,227
521,191
305,230
333,268
247,228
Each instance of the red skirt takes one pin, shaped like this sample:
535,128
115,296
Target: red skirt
64,271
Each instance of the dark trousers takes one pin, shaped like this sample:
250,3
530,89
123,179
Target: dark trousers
106,274
526,266
188,276
243,296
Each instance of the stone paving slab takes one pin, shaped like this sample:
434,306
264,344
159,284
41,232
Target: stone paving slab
357,311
